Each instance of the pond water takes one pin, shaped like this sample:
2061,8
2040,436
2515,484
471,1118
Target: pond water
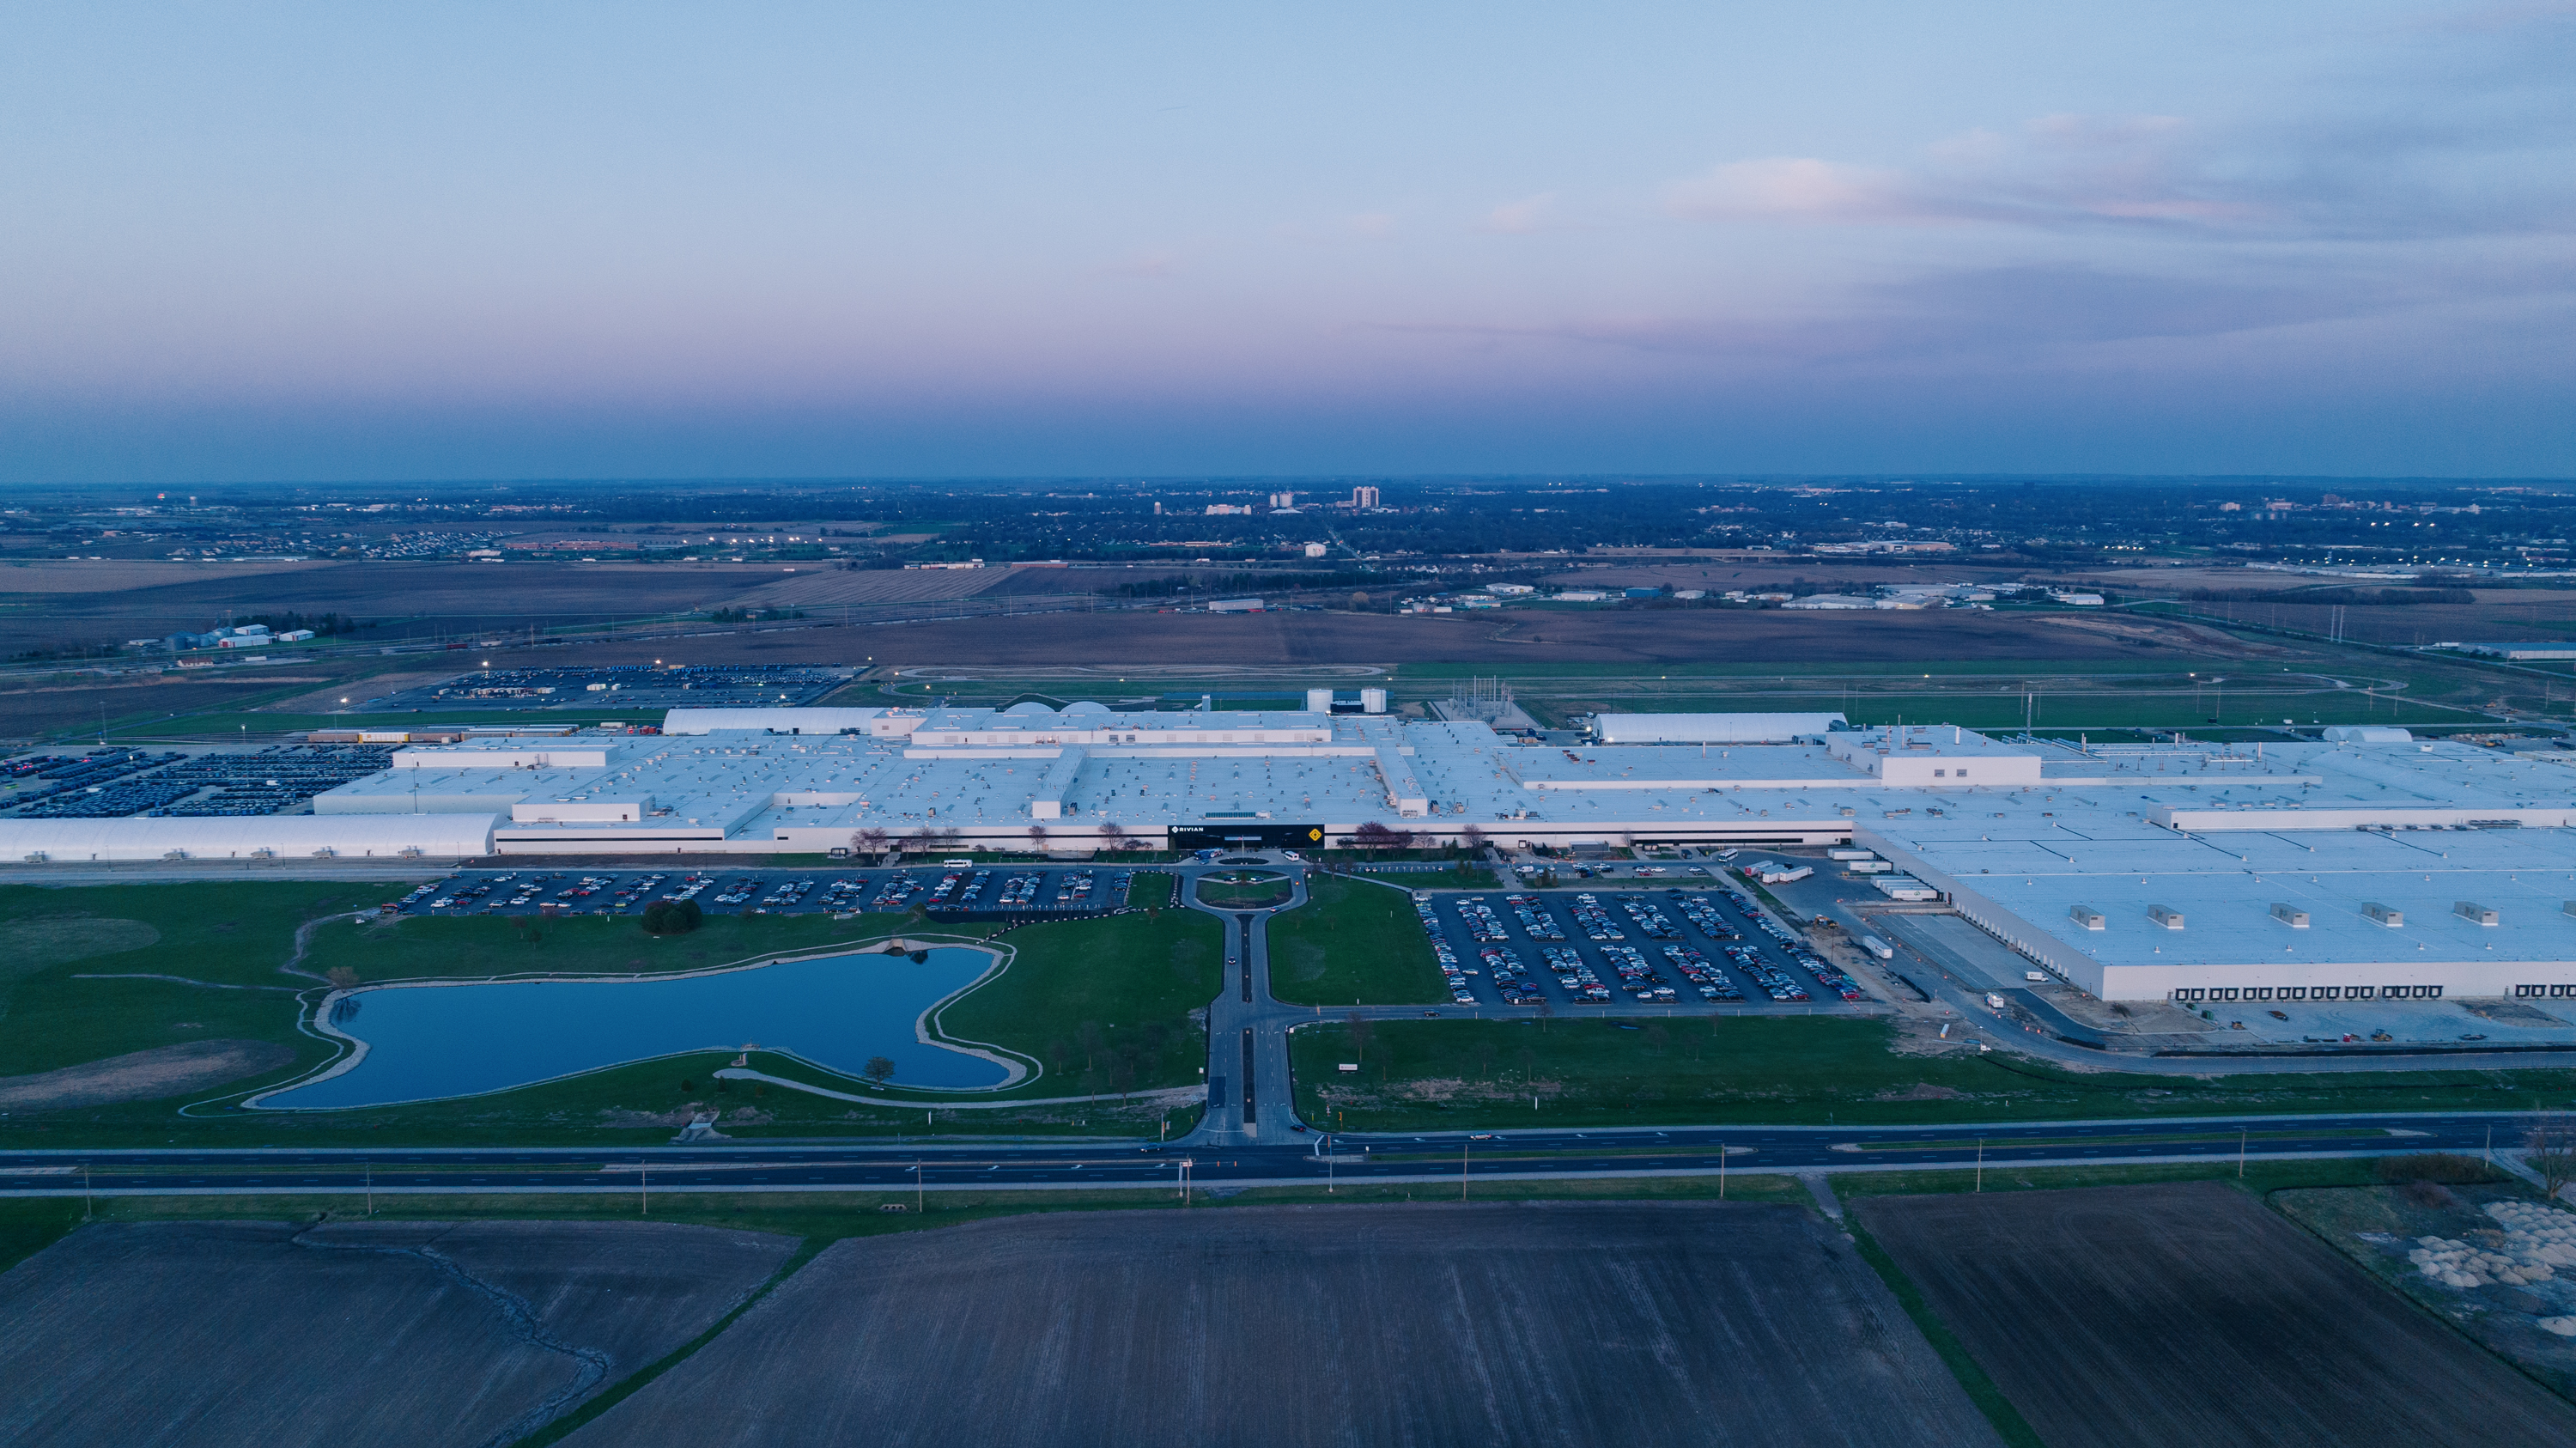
429,1042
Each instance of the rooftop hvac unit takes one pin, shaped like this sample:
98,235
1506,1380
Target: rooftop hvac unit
2290,915
2086,916
2166,916
2473,912
2384,915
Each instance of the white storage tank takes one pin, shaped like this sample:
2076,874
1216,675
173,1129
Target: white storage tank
1372,701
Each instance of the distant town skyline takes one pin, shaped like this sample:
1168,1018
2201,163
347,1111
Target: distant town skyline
295,242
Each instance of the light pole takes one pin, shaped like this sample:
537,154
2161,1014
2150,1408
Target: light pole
1463,1148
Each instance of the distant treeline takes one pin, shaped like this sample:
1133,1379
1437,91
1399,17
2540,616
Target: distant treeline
2379,597
323,624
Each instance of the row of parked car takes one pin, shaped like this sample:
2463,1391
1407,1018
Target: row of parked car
1594,921
1535,920
1653,923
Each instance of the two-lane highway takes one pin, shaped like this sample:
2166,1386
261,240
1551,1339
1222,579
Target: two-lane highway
752,1167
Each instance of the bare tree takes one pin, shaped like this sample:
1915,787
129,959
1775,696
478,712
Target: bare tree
1473,837
1113,836
878,1071
1359,1026
1038,839
1372,837
341,977
1399,840
2550,1150
869,841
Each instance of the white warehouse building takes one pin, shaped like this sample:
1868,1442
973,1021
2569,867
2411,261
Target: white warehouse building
2359,867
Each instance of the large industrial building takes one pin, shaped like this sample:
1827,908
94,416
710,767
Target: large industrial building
2361,867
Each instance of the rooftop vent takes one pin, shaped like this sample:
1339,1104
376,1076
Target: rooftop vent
2384,915
2086,916
2166,916
2290,915
2473,912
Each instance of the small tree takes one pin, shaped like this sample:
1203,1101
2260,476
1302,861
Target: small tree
1359,1026
2550,1150
869,841
1372,837
672,917
341,977
878,1071
1473,837
1038,839
1113,837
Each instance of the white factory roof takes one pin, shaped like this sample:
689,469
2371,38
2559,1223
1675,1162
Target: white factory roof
1775,728
245,837
2218,834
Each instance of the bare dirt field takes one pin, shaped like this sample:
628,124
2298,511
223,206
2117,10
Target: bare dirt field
811,587
2188,1315
120,575
384,1334
144,1075
1255,1326
1517,636
460,597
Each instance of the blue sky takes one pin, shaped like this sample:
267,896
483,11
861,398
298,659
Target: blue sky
329,241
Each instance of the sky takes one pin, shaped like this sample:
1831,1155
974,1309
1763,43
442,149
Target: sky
636,240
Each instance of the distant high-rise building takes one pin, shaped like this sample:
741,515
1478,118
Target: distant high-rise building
1283,500
1364,497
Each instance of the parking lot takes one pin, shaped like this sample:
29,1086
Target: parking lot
644,688
1652,946
985,890
117,783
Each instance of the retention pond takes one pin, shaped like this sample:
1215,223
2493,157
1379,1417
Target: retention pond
429,1042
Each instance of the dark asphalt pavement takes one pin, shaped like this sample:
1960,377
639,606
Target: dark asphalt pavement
752,1166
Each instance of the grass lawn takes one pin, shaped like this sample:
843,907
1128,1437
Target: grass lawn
1352,941
1245,894
1106,1003
1445,1075
55,944
2261,1177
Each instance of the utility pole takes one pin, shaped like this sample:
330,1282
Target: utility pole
370,1168
2240,1153
1463,1148
643,1188
920,1198
1981,1163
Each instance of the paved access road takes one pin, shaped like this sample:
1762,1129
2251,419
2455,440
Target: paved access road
1233,1158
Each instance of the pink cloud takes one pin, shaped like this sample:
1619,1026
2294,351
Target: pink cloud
2058,170
1530,213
